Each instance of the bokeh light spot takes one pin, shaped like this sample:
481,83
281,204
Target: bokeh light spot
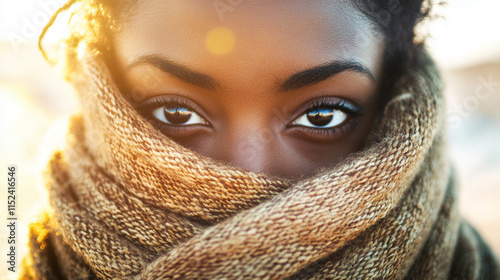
220,40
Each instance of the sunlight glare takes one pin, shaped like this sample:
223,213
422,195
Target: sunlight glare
220,40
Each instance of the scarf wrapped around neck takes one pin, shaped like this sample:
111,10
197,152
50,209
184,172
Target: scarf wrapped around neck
126,202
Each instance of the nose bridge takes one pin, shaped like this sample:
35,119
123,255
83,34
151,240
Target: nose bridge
249,147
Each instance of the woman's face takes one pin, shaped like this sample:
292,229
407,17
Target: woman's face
280,87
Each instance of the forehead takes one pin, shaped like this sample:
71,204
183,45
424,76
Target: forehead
289,31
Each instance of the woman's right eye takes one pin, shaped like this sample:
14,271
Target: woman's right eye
176,115
172,112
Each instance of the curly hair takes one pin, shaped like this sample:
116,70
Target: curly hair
94,21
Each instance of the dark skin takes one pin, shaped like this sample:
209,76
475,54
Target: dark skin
279,87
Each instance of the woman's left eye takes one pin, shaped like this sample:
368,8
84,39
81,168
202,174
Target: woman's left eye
175,115
321,118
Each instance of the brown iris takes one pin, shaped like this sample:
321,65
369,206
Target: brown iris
177,115
320,117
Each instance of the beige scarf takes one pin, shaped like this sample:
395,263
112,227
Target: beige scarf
129,203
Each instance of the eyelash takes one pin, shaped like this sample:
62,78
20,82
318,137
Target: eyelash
146,108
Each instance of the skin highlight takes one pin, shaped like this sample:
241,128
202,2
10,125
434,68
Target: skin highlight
252,95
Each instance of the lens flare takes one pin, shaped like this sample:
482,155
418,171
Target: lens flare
220,40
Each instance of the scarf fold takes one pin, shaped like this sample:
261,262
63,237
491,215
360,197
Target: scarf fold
129,203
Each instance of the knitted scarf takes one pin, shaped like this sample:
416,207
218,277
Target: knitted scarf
129,203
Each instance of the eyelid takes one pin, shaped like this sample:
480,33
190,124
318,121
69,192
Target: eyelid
166,99
326,135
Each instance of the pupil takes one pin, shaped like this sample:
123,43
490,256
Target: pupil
177,115
320,117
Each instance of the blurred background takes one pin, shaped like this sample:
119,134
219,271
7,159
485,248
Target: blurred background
464,39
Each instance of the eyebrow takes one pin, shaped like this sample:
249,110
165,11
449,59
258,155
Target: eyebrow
181,72
302,79
318,74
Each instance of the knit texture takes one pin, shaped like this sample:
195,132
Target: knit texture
129,203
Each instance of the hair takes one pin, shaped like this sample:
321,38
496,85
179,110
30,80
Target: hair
94,21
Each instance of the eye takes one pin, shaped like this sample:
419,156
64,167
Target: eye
326,113
175,115
321,118
325,119
173,112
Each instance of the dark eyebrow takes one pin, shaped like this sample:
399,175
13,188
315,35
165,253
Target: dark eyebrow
318,74
182,72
